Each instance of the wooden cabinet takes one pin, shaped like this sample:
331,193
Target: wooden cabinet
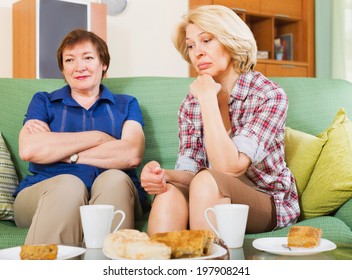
282,8
272,19
40,25
278,69
240,5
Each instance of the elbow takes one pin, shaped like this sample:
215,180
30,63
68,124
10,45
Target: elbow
239,168
134,164
135,159
236,173
33,155
232,169
25,154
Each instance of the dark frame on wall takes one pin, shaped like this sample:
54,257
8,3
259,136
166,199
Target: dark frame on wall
56,19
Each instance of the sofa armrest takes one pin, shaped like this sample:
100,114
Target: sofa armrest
344,213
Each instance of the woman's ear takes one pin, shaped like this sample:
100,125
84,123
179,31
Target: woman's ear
63,76
105,68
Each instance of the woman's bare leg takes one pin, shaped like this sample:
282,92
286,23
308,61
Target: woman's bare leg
204,193
169,211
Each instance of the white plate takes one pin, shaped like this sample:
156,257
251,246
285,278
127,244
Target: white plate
217,252
64,252
274,245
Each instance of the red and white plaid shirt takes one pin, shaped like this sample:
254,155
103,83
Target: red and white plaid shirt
258,109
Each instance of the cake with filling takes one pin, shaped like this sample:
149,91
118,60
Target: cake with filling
304,236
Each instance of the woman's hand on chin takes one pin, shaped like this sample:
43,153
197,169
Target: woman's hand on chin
204,86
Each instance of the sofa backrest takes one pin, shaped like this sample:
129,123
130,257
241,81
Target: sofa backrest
160,99
313,105
15,95
314,102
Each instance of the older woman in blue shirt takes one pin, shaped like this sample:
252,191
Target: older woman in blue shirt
83,144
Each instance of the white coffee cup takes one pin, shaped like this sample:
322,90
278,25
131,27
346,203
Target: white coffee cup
96,222
231,220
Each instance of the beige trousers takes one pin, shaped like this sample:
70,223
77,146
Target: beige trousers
51,208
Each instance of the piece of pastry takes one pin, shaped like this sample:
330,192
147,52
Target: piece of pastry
39,252
147,250
133,244
304,236
115,243
186,243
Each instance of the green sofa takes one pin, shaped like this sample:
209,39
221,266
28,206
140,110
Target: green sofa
313,105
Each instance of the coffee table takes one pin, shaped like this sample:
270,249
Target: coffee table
248,252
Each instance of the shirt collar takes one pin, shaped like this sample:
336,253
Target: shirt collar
64,94
242,86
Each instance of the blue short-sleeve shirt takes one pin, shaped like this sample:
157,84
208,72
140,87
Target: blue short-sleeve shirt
63,114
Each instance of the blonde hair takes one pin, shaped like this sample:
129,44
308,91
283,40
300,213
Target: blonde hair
227,27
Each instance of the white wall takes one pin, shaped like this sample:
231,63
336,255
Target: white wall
6,38
139,39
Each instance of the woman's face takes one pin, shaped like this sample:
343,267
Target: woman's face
207,54
82,67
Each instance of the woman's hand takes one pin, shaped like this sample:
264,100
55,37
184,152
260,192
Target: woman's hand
36,126
153,178
204,86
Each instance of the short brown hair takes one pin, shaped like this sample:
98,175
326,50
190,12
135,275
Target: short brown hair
79,36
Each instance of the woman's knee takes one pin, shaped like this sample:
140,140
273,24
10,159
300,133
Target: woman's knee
68,186
170,197
113,179
113,187
169,211
203,183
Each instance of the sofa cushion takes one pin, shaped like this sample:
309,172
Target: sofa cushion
344,213
10,235
302,151
8,182
330,184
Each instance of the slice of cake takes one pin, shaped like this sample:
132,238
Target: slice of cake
39,252
186,243
304,236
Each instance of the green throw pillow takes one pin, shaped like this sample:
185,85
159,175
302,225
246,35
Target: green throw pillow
8,182
330,184
302,151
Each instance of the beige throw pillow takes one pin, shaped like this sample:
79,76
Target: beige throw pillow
8,182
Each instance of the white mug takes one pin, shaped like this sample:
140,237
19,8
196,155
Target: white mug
96,222
231,220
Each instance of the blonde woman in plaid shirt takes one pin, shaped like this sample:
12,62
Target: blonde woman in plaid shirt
231,133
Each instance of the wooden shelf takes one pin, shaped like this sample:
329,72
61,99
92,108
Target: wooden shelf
282,68
270,19
240,5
